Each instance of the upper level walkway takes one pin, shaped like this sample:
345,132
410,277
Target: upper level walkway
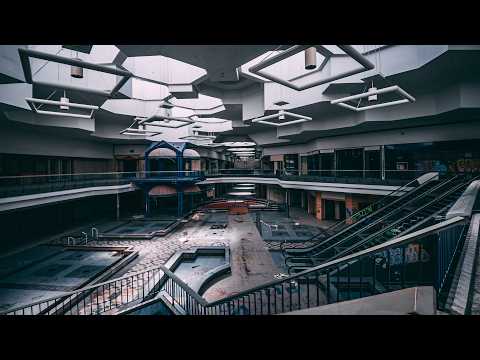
18,190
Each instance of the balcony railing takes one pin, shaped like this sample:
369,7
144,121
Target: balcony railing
35,184
369,177
421,258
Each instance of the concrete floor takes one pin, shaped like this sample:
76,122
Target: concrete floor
300,215
251,263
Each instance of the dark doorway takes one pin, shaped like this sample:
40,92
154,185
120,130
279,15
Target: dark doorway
130,165
296,198
311,205
342,210
329,207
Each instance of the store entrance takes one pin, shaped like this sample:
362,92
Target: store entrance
329,206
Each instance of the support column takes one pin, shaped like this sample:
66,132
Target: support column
351,206
318,206
179,204
180,164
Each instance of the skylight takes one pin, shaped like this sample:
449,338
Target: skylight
163,69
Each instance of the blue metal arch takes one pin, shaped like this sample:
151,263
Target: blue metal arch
178,148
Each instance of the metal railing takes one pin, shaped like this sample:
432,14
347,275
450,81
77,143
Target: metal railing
407,261
394,265
395,177
388,201
346,242
34,184
345,245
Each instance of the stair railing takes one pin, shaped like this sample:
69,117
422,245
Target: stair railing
355,275
377,206
392,225
288,260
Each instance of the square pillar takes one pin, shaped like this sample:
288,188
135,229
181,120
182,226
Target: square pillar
351,206
318,206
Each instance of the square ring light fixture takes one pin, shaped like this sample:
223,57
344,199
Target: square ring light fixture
164,121
26,54
391,89
32,102
281,116
240,149
349,50
139,132
197,137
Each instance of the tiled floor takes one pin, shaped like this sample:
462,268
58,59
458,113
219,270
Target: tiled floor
251,262
55,273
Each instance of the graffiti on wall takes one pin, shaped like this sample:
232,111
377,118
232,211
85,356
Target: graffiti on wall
464,165
360,214
395,256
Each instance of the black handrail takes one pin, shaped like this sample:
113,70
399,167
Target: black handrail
320,279
323,250
335,264
372,237
390,226
33,184
401,199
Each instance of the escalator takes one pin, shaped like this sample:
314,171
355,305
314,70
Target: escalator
362,217
416,209
378,210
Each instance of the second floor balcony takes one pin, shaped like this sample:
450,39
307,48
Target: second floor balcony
12,186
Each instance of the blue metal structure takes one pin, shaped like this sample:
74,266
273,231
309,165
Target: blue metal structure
180,179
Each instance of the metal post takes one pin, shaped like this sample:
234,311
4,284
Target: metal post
335,163
180,164
179,203
382,161
363,156
257,222
118,206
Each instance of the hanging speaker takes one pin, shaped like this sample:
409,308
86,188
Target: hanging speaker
310,58
372,97
66,101
76,71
